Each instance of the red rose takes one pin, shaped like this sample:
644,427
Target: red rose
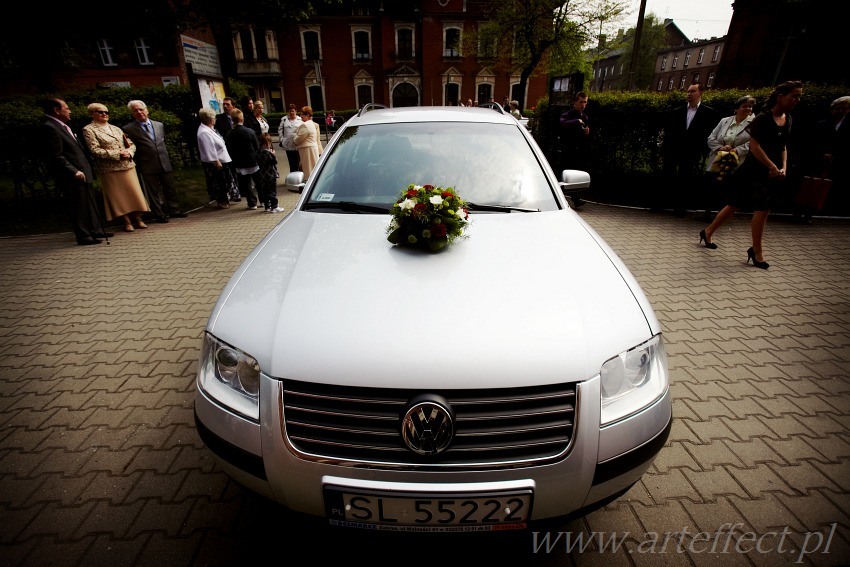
412,192
420,209
446,194
438,230
428,187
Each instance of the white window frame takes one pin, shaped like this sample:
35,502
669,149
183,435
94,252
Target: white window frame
687,59
682,81
307,29
660,84
716,54
675,61
105,50
710,81
447,52
701,55
142,51
354,31
412,29
663,62
671,83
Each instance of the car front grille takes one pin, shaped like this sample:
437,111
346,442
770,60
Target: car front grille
506,427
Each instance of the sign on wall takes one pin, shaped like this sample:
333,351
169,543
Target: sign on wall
203,57
212,93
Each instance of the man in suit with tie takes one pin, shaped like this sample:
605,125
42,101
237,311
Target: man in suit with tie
576,137
69,164
152,162
684,150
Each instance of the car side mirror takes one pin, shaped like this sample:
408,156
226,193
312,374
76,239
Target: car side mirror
294,181
574,181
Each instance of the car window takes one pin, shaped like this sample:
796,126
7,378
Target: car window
488,164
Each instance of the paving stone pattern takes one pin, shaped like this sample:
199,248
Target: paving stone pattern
100,463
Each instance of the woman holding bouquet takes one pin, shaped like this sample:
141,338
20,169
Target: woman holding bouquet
758,181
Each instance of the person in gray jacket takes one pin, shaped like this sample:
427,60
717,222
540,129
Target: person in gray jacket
152,162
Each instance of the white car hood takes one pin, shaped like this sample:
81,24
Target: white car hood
525,299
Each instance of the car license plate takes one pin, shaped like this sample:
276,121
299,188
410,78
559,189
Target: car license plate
428,513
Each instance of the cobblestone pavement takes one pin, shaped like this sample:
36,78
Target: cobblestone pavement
100,463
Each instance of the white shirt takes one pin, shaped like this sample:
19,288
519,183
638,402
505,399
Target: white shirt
211,145
286,131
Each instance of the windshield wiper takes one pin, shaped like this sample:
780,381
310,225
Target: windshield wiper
348,207
498,208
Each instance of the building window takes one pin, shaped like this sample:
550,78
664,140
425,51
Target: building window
696,78
485,92
143,51
361,45
716,54
246,45
364,95
452,94
105,49
451,45
675,60
663,62
670,84
310,39
687,59
710,82
486,46
701,55
317,101
404,43
660,84
682,82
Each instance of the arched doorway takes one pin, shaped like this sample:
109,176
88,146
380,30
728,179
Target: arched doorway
405,95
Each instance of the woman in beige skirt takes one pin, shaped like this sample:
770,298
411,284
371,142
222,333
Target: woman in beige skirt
307,141
113,154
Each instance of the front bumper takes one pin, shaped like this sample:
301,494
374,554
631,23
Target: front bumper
600,464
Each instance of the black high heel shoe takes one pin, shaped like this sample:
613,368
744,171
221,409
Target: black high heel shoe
704,238
752,256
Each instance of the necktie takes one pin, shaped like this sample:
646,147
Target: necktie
148,129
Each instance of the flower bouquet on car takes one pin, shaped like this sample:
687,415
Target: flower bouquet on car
724,164
427,217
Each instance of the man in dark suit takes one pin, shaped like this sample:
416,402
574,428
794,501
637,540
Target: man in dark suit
70,167
243,145
685,149
223,125
152,162
576,136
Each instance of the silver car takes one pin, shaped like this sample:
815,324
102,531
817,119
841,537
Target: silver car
516,375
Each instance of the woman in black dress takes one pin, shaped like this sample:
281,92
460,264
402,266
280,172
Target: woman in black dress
759,179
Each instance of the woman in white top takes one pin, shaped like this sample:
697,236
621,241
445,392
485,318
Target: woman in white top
307,141
258,114
286,131
214,157
731,133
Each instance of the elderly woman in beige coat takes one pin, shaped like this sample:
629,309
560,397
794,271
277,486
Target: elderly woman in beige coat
307,141
113,155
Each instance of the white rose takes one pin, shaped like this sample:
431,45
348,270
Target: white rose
436,200
407,204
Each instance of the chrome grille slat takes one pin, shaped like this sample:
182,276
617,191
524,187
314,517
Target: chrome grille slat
493,427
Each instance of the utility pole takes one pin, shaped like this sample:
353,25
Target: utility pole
636,50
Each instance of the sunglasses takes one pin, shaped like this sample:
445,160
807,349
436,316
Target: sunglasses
102,111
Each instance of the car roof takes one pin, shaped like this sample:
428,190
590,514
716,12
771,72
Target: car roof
382,115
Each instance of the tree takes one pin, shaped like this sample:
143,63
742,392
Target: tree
543,30
652,40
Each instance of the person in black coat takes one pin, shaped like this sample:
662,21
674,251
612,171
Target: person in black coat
684,151
68,162
243,145
250,120
576,137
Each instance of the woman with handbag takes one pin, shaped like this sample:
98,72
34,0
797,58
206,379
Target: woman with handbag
759,179
113,155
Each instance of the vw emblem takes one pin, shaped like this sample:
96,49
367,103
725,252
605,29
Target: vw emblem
428,425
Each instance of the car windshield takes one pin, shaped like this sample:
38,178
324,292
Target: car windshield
487,164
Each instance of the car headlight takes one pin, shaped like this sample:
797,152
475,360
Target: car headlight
230,376
633,380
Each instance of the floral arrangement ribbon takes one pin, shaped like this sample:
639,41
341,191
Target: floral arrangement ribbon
427,217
